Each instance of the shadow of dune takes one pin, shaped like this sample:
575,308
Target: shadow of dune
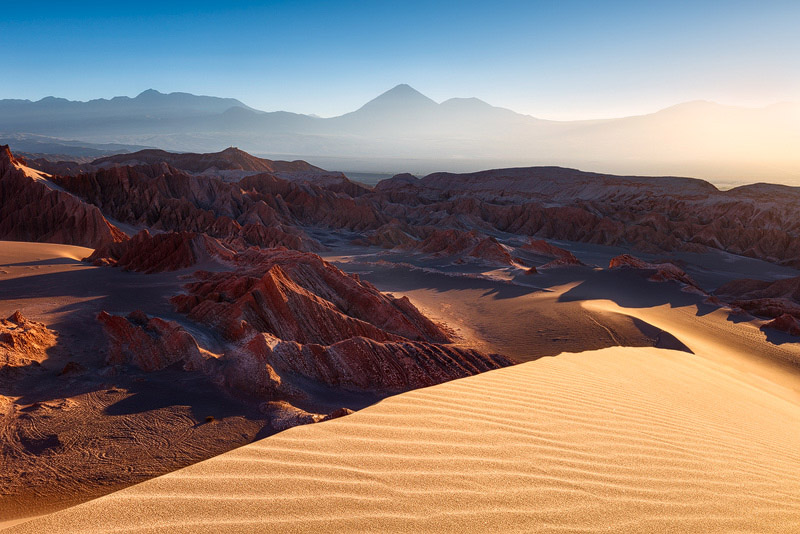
631,288
50,261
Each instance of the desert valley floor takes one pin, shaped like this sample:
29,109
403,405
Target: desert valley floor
221,343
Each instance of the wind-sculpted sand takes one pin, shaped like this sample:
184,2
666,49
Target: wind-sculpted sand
614,440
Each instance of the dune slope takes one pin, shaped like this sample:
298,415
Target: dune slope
614,440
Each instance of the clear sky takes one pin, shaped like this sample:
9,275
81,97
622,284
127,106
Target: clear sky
560,59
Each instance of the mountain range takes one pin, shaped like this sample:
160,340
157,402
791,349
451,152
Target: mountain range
404,130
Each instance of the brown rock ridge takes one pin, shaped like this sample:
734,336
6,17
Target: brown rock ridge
36,210
663,272
561,257
23,342
300,297
161,252
764,298
470,244
266,367
648,214
229,159
149,343
785,323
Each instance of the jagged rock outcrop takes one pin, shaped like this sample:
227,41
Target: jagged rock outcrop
464,245
785,323
298,296
150,343
23,341
34,209
161,252
388,236
652,215
561,257
356,363
663,272
763,298
162,198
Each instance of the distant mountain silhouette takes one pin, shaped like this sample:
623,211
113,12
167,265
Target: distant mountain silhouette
695,138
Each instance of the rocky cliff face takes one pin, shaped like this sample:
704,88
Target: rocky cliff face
161,252
34,209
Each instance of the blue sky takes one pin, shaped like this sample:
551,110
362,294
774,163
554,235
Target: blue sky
558,59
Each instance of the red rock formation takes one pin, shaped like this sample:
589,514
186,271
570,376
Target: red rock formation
664,272
785,323
356,363
298,296
463,244
764,298
36,210
787,288
161,252
562,257
388,236
23,342
149,343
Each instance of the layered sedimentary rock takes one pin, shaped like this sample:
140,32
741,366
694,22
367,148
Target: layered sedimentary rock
265,364
470,244
161,252
150,343
34,209
648,214
652,215
298,296
764,298
785,323
23,341
662,272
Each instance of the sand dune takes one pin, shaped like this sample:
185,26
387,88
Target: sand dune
614,440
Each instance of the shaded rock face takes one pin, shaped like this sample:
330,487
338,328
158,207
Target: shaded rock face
785,323
561,257
663,272
651,215
23,342
33,210
162,198
470,244
267,367
149,343
161,252
298,296
764,298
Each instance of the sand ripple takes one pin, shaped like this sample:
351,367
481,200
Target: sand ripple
615,440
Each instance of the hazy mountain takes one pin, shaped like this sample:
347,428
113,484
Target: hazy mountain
403,126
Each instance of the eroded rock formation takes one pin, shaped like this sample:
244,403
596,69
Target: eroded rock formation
161,252
23,341
34,209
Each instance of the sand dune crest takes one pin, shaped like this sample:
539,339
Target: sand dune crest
614,440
